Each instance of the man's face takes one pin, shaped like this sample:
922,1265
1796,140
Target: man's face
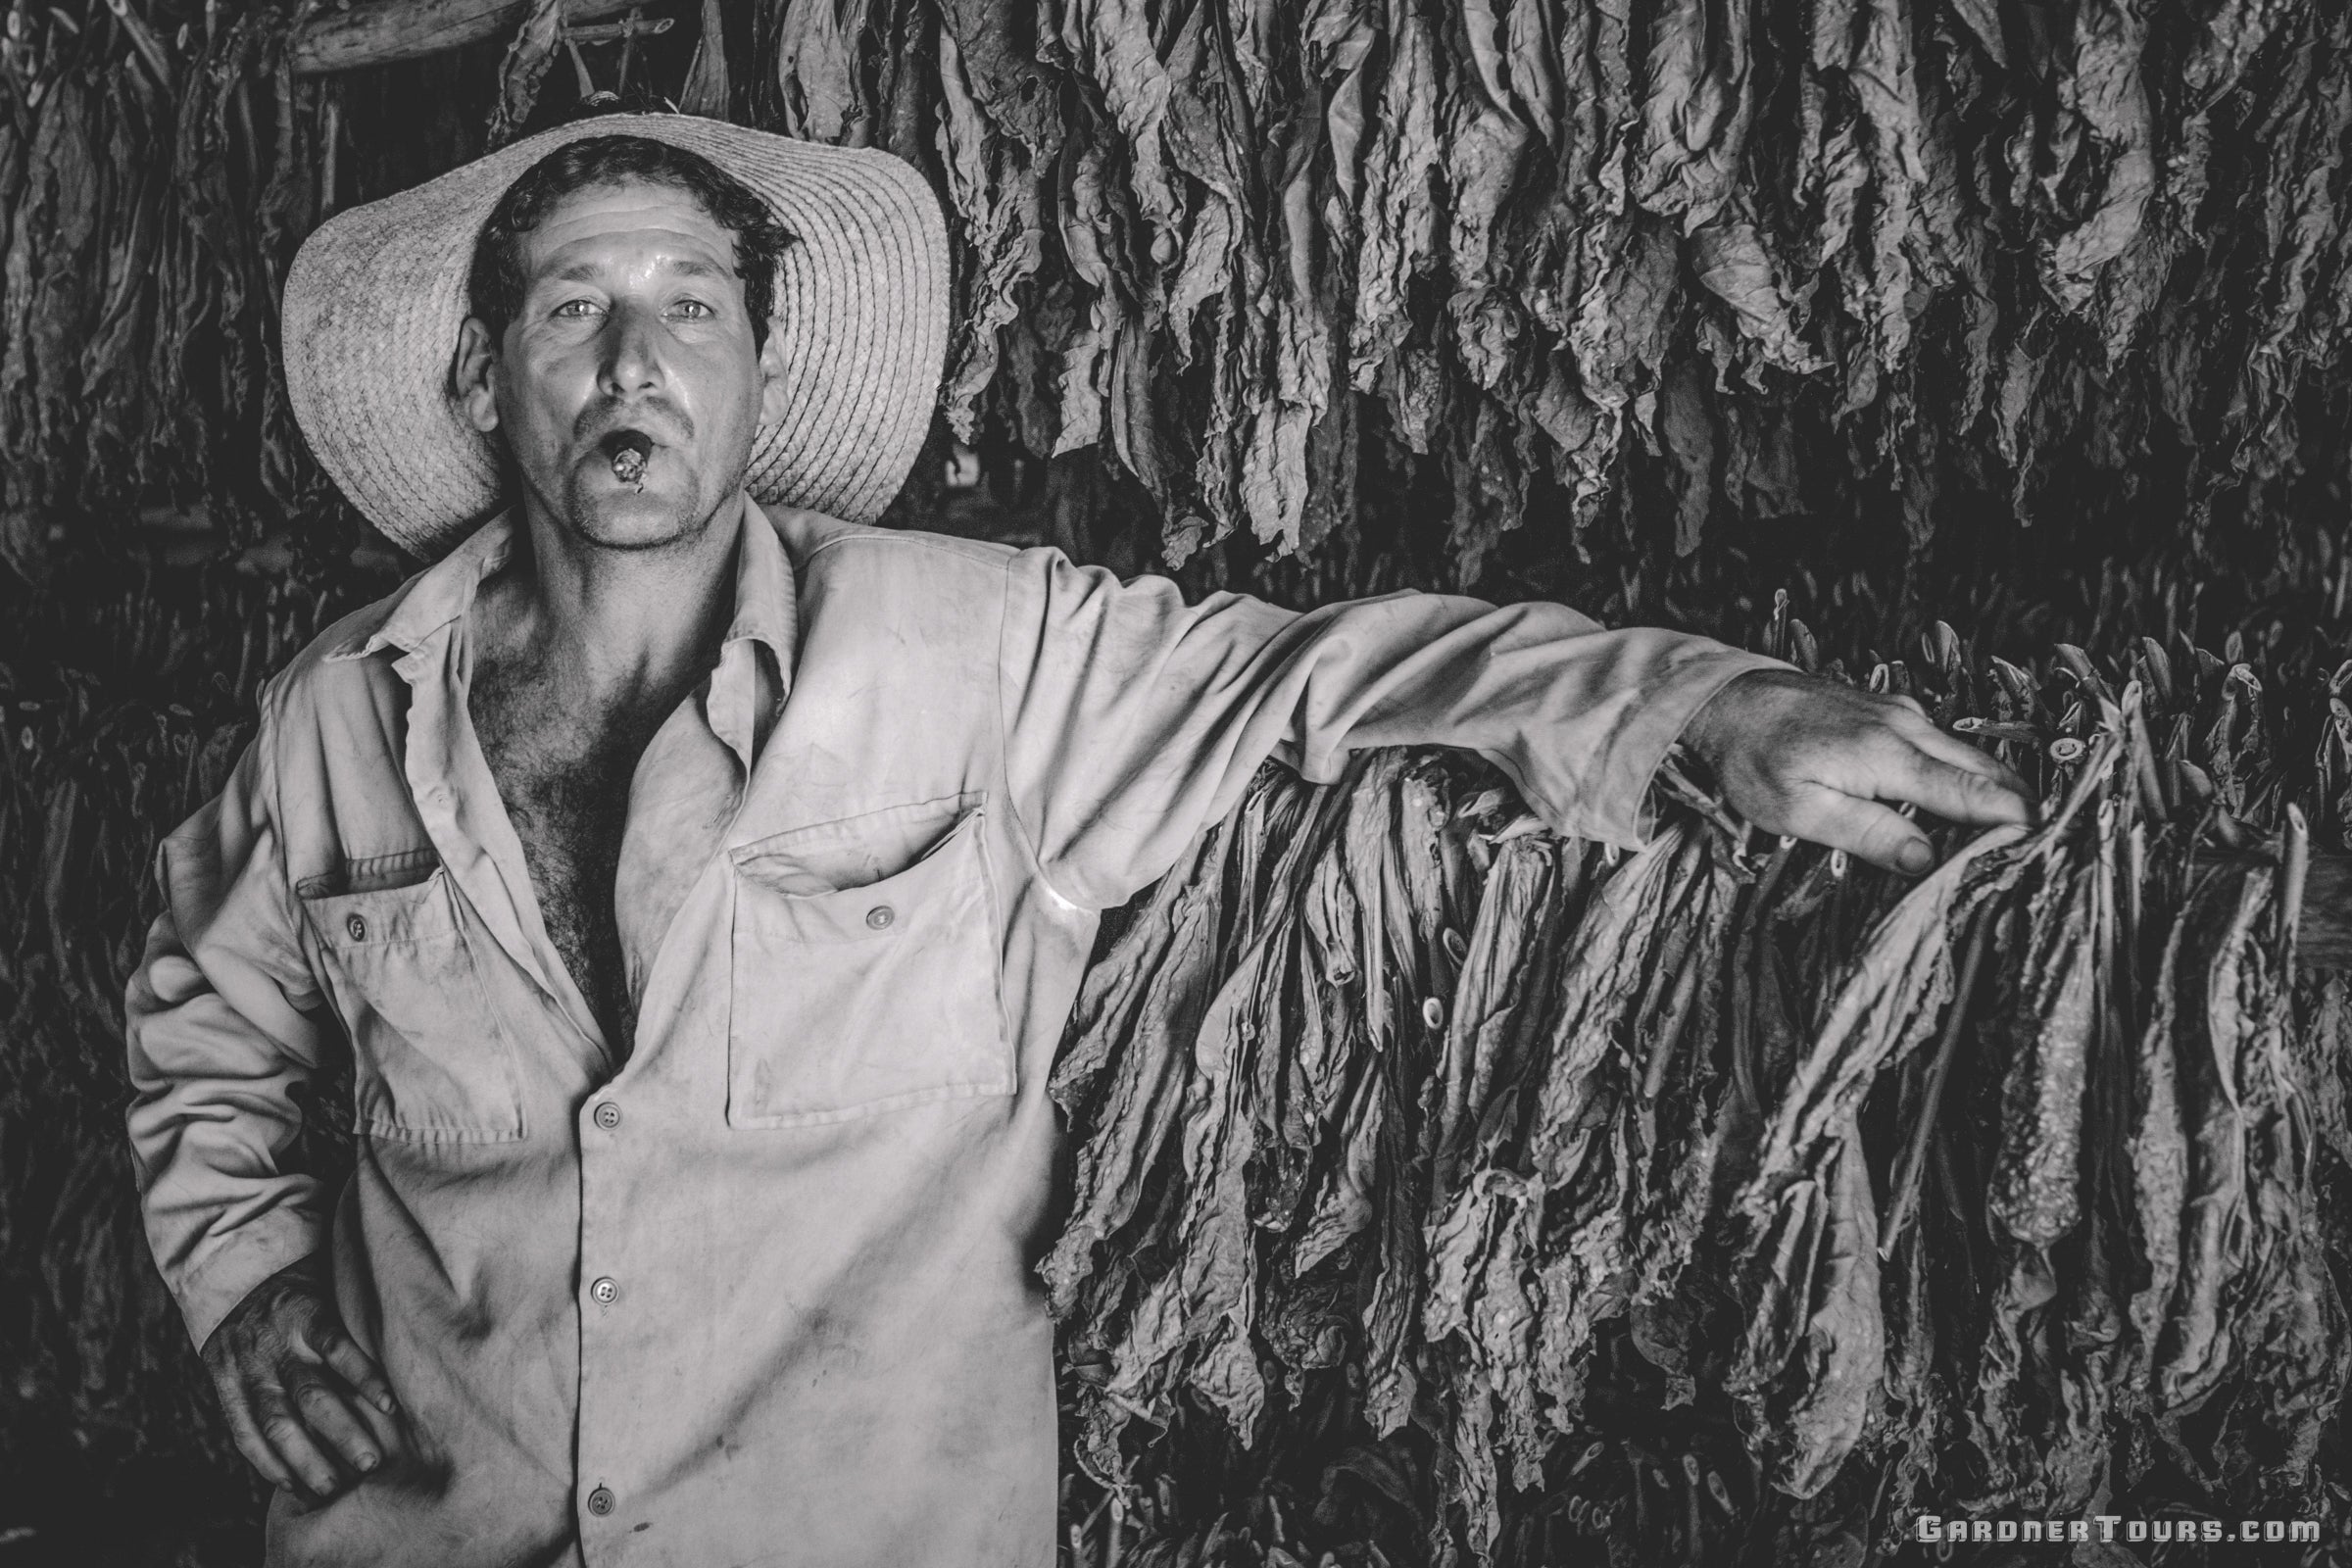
632,322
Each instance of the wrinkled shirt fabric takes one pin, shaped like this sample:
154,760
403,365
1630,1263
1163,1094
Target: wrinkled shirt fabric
763,1291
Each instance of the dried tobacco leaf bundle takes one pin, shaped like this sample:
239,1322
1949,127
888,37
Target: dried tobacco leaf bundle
1535,259
153,189
1581,1180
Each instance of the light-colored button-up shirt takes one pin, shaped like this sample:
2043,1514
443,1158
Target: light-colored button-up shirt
762,1292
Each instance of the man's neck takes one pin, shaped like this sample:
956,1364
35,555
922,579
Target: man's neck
612,627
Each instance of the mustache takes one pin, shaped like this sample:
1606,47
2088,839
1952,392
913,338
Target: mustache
664,423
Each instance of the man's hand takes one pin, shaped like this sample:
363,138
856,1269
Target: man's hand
308,1407
1812,758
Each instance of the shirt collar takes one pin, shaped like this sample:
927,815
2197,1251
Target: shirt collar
437,595
765,611
766,602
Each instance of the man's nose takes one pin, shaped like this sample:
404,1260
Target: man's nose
632,360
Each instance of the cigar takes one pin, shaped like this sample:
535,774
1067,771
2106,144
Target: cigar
628,451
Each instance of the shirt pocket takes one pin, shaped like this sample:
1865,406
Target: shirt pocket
430,1063
853,1001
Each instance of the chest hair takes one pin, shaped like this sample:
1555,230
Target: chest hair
562,773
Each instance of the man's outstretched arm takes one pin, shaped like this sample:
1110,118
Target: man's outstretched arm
1133,719
222,1020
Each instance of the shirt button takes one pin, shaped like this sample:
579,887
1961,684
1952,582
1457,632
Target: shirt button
356,927
600,1501
880,916
606,1291
607,1115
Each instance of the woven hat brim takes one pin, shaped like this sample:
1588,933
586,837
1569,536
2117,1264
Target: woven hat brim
377,296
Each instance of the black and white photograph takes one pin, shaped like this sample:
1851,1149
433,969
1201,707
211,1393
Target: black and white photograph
1175,783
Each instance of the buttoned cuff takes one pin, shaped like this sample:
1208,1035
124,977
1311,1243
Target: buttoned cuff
210,1289
1619,809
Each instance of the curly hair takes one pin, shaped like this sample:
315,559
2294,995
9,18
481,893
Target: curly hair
495,285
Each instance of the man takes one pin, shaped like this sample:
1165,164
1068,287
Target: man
700,883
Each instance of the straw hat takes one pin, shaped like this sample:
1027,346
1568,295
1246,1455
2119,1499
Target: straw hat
376,295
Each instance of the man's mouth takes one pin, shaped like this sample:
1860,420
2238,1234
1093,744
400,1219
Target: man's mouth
628,451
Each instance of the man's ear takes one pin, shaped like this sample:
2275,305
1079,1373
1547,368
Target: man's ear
474,376
771,378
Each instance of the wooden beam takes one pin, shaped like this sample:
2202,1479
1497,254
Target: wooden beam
2324,936
377,32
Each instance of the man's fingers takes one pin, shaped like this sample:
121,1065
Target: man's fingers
246,1433
1952,792
355,1367
334,1423
1960,754
1862,828
374,1404
314,1471
390,1434
1914,727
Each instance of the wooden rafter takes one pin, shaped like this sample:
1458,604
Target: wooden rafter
378,32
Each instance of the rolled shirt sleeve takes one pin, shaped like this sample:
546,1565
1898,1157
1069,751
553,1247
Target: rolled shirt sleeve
1133,719
223,1016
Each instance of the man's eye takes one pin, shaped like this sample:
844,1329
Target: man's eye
576,309
694,310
